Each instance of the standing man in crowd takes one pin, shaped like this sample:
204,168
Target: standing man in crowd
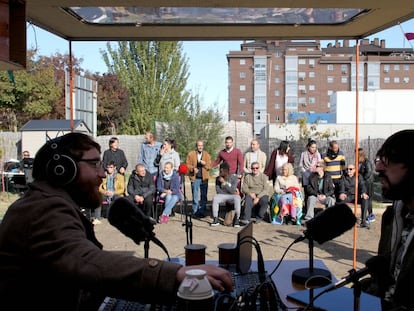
232,156
116,155
392,280
335,164
141,189
199,163
256,190
50,258
150,148
254,155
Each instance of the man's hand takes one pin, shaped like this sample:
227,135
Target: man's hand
365,196
195,170
219,278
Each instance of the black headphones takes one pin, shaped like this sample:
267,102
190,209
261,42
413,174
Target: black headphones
61,168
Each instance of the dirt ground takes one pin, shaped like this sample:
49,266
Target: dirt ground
337,254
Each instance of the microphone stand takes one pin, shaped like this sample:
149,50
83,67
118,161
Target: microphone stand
146,247
188,214
316,277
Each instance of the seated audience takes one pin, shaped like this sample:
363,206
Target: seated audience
226,192
308,161
287,200
168,187
112,186
141,188
319,190
347,192
279,156
256,190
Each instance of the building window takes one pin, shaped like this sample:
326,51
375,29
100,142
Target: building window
242,100
396,80
242,87
277,92
242,75
277,80
277,67
330,79
302,61
386,68
277,106
311,74
344,79
277,54
312,100
330,92
330,67
406,79
311,63
396,67
344,69
311,87
243,113
277,118
302,76
386,80
242,61
406,67
302,101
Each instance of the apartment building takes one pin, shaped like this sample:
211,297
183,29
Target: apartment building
279,81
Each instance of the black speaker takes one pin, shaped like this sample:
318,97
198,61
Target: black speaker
61,168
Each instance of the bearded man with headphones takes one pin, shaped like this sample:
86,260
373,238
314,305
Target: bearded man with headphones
50,258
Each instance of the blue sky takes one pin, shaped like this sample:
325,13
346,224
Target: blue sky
207,59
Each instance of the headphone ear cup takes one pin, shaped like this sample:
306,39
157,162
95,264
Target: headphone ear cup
61,169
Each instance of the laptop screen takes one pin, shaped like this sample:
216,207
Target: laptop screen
244,248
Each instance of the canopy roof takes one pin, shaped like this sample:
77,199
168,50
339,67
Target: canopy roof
102,20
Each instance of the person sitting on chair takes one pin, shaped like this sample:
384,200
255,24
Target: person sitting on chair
112,186
141,188
227,192
168,187
256,190
287,200
347,192
320,190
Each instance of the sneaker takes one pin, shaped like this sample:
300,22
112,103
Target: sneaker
215,222
371,218
277,221
164,219
243,221
236,223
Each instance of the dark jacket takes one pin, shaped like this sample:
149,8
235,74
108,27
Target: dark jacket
313,187
365,170
391,227
49,253
347,186
142,186
117,156
270,169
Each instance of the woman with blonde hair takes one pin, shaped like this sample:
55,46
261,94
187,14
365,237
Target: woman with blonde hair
286,203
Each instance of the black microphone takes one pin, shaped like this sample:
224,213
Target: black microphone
330,223
131,221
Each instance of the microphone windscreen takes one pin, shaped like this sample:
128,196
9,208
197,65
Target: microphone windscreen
130,220
183,169
330,223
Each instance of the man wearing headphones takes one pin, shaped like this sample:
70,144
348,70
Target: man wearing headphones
50,258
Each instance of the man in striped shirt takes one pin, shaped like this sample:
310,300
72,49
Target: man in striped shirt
335,164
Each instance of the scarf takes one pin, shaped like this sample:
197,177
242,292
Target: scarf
167,176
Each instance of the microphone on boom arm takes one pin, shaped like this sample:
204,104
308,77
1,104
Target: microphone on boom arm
131,221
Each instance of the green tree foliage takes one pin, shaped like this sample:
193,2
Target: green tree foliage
113,104
310,131
192,123
34,93
155,75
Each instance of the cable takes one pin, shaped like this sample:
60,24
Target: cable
284,254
